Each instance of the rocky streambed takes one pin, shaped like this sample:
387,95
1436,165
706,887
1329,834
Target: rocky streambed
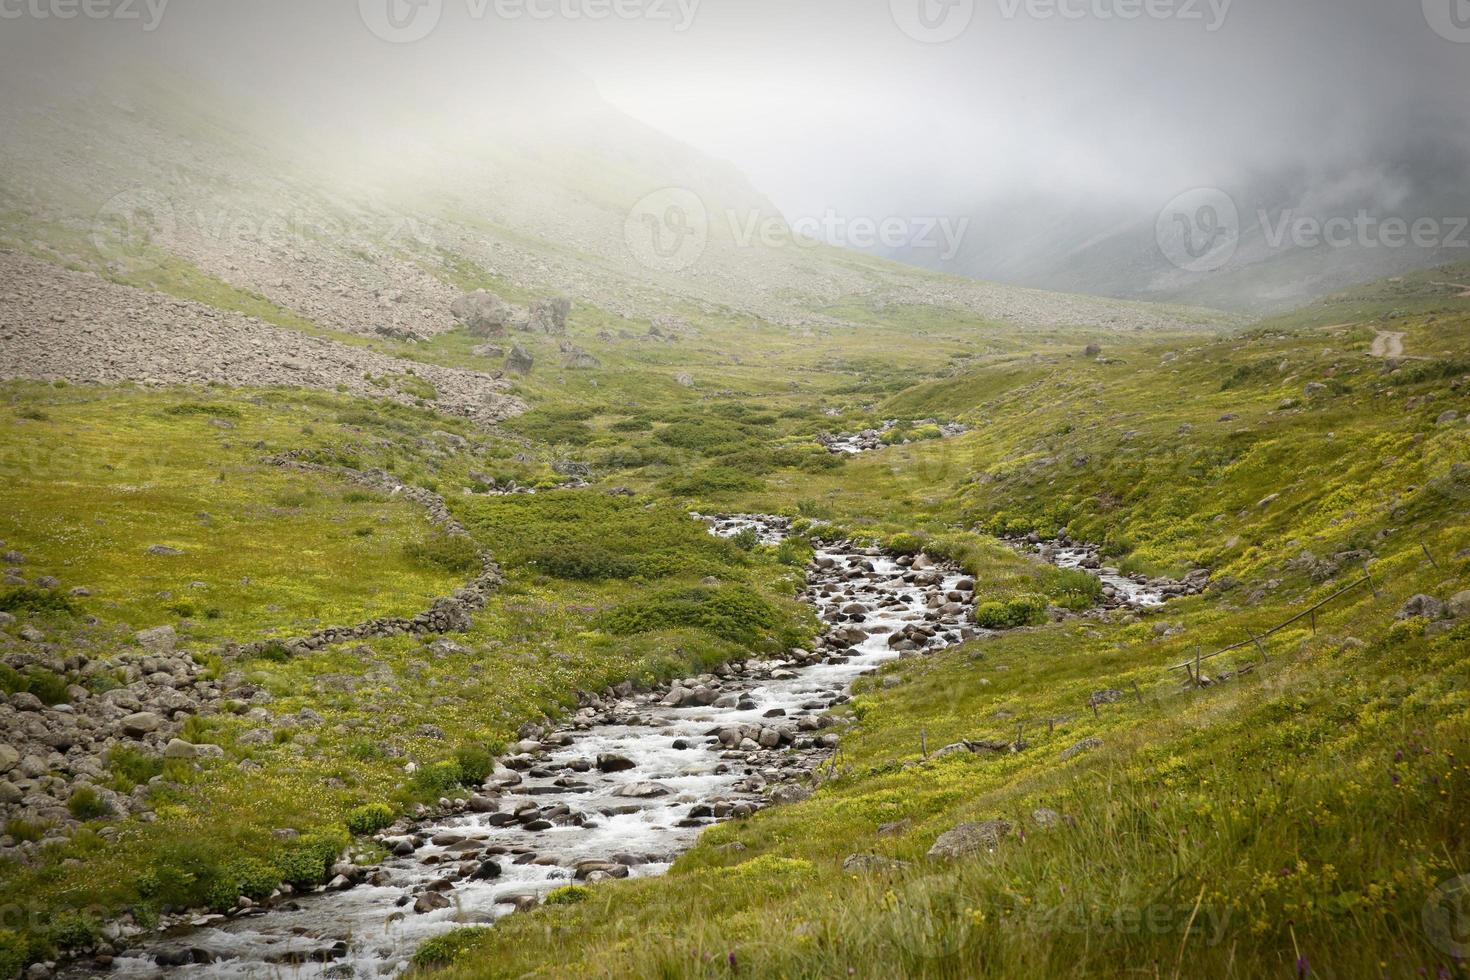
619,790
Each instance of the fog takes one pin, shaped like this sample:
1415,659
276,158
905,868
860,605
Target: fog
1111,106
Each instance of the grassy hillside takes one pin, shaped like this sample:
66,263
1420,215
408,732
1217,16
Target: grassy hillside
1292,817
1295,815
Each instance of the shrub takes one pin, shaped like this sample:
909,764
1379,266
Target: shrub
792,552
369,819
475,764
437,778
132,767
905,544
48,686
745,539
72,930
1022,610
25,831
570,895
309,858
27,600
713,479
445,949
15,953
87,804
709,437
735,613
194,408
635,424
451,553
582,564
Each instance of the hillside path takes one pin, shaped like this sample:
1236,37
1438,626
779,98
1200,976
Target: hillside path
1388,344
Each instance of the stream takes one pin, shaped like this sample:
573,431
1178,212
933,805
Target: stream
620,790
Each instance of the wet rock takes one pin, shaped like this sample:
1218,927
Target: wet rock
430,902
611,762
642,790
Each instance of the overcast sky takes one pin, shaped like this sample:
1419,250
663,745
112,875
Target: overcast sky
832,104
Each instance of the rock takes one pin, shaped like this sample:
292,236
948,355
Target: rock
549,316
9,758
1459,605
26,701
140,724
430,902
160,639
177,748
642,790
969,838
1446,418
782,795
488,870
1045,818
483,314
1422,605
871,864
611,762
1092,350
519,361
684,379
163,551
1086,745
609,868
1314,388
9,792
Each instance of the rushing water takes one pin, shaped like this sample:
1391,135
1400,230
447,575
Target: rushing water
621,791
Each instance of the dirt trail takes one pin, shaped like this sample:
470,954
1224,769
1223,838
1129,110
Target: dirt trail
1388,344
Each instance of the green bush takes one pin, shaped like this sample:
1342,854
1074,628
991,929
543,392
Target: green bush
15,953
49,687
569,895
132,767
475,764
438,778
710,437
731,612
87,804
792,552
450,553
308,859
369,819
745,539
905,544
711,480
1022,610
445,949
27,600
582,564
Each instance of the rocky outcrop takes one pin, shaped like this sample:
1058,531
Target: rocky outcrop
549,316
483,314
61,325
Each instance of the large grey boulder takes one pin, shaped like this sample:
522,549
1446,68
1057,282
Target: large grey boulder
483,314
